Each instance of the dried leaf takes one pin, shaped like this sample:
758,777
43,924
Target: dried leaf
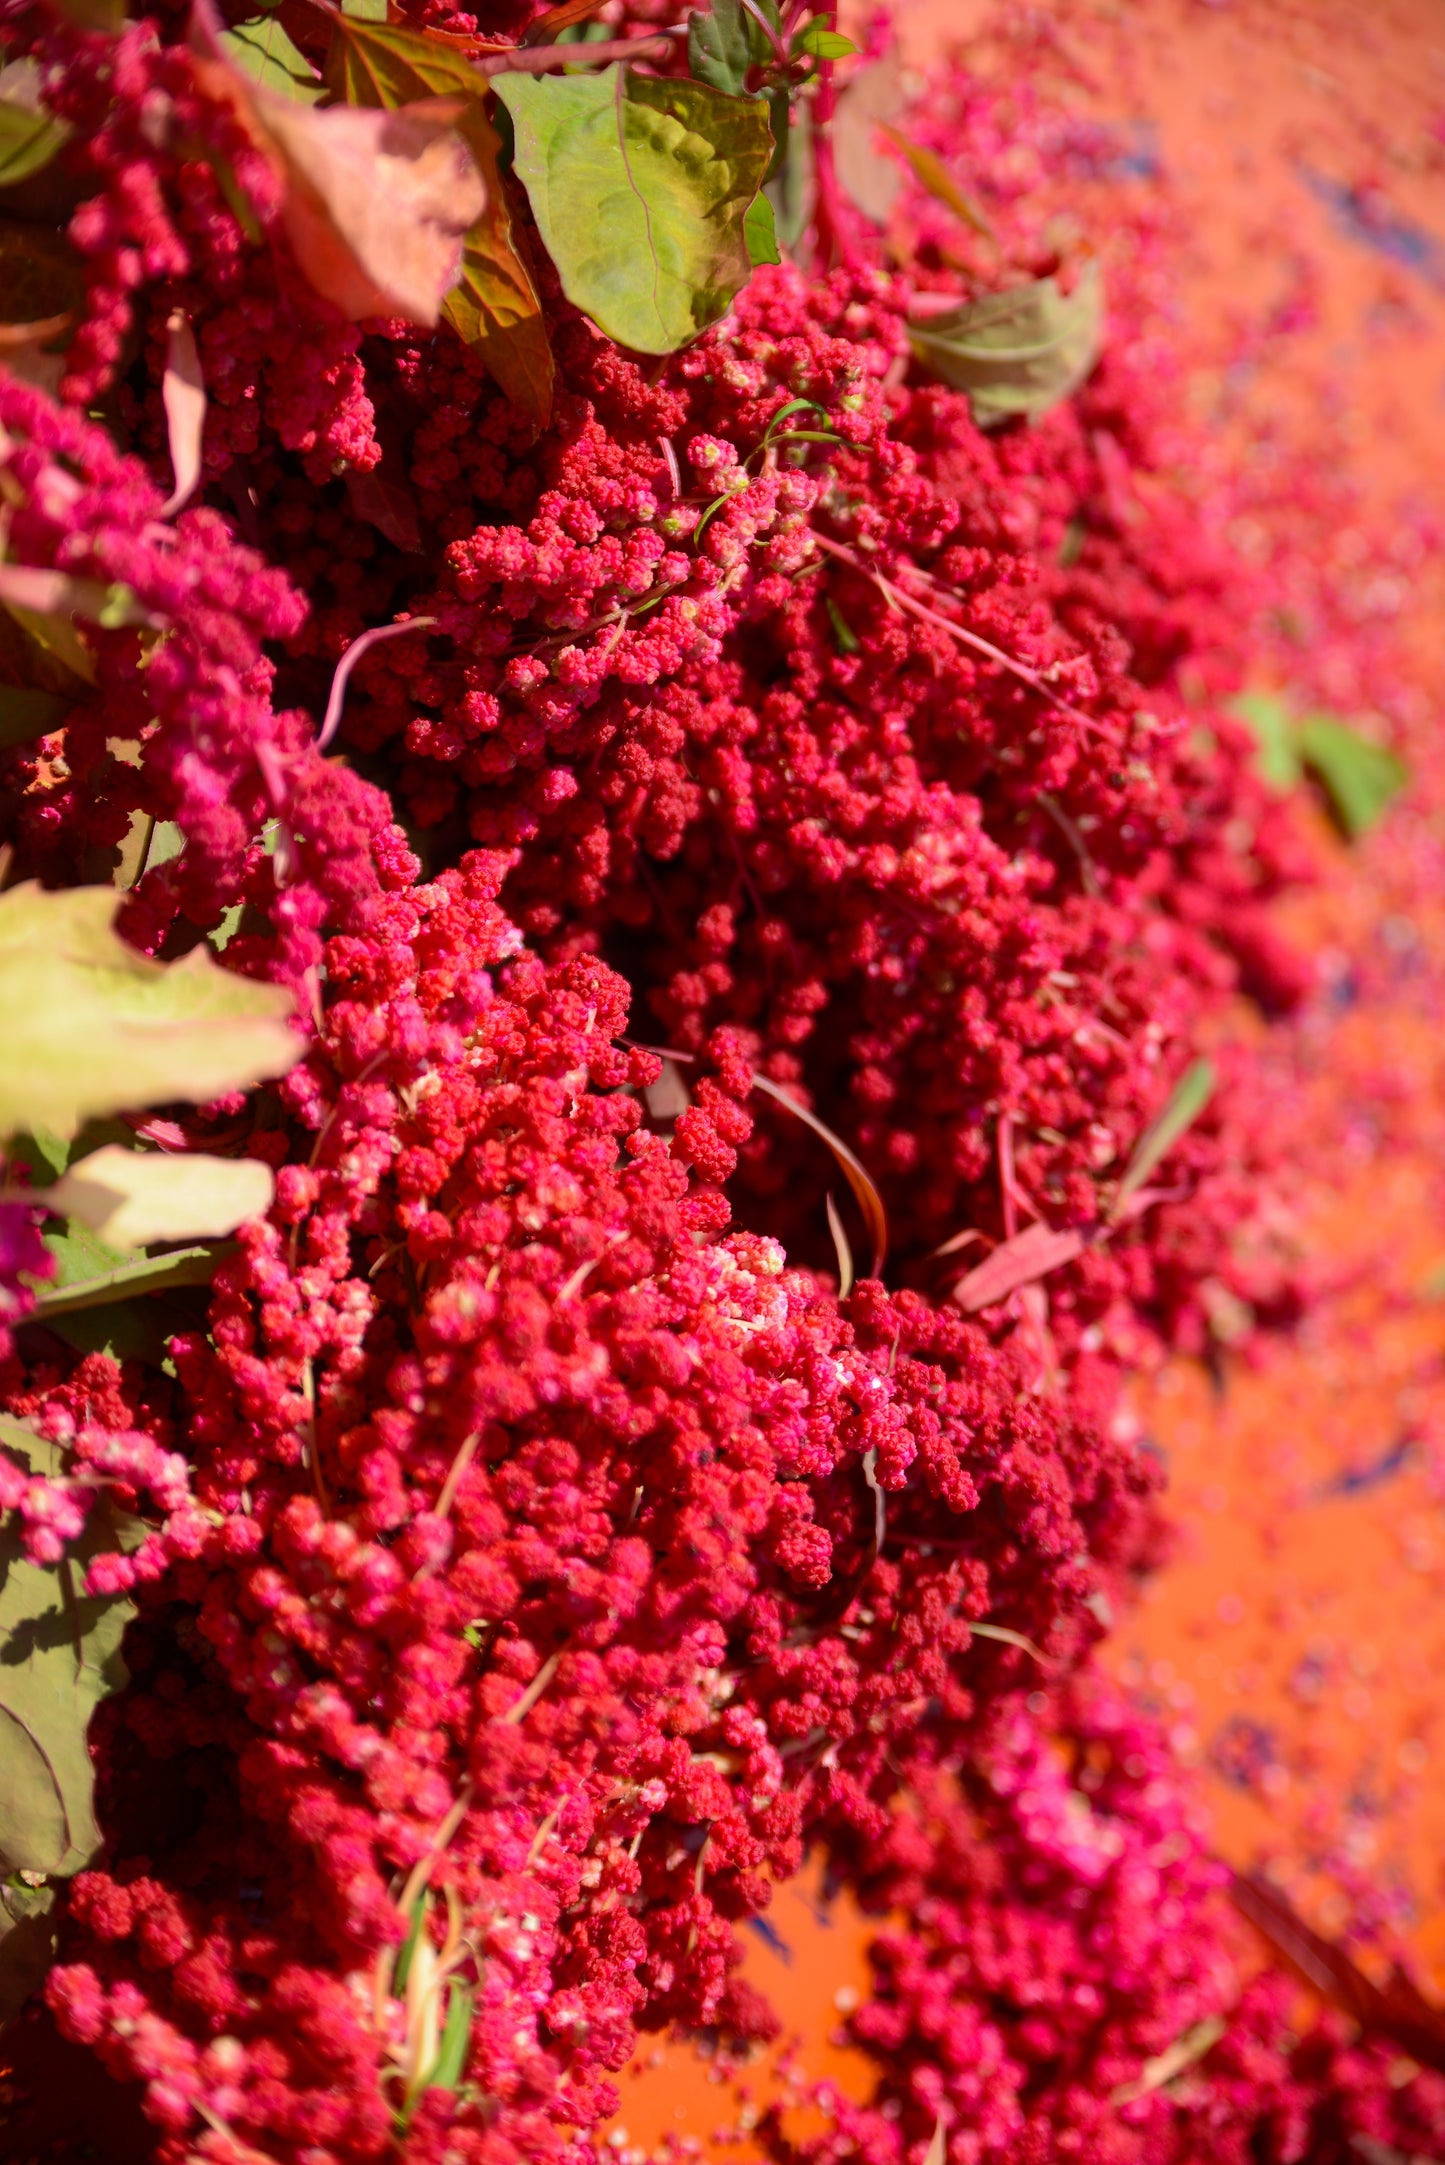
1187,1101
1017,352
493,305
1360,778
1007,1636
32,588
29,136
1030,1255
41,278
61,1657
931,173
1199,2038
107,15
871,99
262,49
937,2151
870,1202
841,1248
183,395
641,189
90,1026
133,1198
376,203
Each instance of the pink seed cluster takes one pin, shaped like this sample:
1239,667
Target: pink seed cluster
542,1550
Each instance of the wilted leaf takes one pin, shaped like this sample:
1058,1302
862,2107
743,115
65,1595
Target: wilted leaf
26,714
549,27
1187,1101
41,277
493,305
29,136
89,1025
32,589
1360,777
870,1202
1030,1255
1018,352
59,1657
388,504
1276,732
132,1198
183,395
1198,2039
106,15
641,189
375,203
931,173
263,49
873,97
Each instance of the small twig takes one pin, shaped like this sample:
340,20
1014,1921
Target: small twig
348,662
535,1689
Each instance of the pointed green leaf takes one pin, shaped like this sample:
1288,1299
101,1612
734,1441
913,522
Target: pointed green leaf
819,39
264,51
365,11
59,1657
641,189
762,233
494,305
29,136
91,1026
1018,352
1360,777
451,2059
1187,1101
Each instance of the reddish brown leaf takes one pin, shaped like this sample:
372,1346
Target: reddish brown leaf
493,306
1030,1255
183,394
549,27
376,202
1397,2010
387,505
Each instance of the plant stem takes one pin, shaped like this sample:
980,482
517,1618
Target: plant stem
540,59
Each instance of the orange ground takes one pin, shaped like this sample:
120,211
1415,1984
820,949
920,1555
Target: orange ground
1297,1639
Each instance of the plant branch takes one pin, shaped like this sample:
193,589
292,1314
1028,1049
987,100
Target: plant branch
541,59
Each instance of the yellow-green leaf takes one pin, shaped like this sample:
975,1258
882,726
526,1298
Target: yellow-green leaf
1187,1101
28,1938
131,1198
1018,352
641,189
29,136
89,1026
493,306
59,1657
1276,732
26,713
81,1287
262,48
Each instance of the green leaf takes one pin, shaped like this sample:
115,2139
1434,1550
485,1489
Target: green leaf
26,714
28,1939
843,632
761,233
1187,1101
90,1026
99,1286
641,189
29,136
365,11
135,1199
451,2060
822,41
1018,352
264,51
720,46
59,1657
1360,777
1276,732
493,306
